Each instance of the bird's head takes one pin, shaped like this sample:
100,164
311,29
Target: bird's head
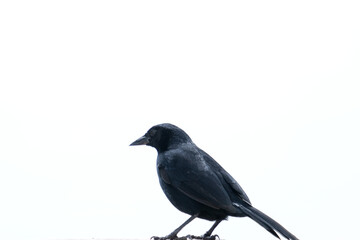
163,137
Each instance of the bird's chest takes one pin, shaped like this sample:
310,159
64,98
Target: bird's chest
179,166
167,166
175,164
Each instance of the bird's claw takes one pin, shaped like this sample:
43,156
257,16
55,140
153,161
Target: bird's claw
164,238
187,237
204,237
212,237
157,238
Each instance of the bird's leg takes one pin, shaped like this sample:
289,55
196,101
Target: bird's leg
207,235
176,231
173,235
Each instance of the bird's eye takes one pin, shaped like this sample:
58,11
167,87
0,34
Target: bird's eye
152,133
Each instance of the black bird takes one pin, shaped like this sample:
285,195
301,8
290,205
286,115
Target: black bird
197,185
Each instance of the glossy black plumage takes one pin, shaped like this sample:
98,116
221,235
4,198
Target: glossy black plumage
197,185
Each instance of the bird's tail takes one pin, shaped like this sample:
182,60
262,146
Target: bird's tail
265,221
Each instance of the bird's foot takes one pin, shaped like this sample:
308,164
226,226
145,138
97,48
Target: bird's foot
168,237
203,237
187,237
211,237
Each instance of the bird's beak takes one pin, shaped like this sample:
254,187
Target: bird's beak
141,141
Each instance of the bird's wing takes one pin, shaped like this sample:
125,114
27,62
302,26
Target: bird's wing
235,186
190,174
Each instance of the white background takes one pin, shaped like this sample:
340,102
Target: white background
270,89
